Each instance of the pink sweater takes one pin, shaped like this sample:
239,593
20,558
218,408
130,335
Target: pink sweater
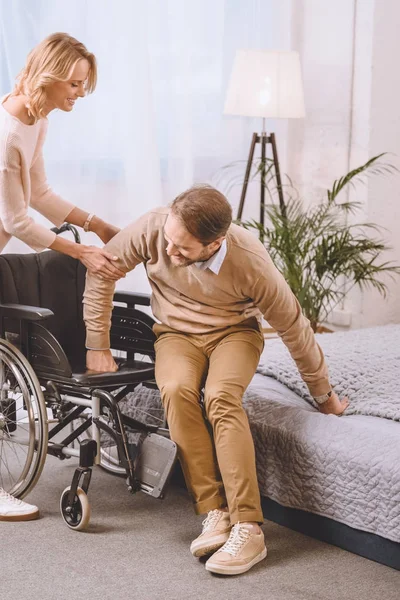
23,183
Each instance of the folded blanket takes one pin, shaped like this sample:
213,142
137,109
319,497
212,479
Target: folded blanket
364,364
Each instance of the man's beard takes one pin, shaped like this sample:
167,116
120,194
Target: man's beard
186,262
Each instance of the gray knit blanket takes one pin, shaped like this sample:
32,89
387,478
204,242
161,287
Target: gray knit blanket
364,364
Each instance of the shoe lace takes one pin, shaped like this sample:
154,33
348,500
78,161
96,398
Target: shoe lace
211,519
238,537
6,496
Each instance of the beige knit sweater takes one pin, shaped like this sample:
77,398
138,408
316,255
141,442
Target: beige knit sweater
23,183
193,300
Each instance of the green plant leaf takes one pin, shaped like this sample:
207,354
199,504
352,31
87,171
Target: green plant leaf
319,254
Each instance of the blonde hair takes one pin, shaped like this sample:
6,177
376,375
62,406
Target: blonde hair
50,61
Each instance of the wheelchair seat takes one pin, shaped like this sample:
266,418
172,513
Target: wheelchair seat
129,371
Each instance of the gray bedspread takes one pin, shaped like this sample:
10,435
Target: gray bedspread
363,364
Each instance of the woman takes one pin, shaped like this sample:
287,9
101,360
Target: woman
58,72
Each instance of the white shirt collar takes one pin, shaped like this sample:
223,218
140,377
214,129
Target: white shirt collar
214,263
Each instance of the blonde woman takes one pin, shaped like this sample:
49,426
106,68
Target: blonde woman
58,72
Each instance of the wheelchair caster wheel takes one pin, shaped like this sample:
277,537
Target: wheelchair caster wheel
77,515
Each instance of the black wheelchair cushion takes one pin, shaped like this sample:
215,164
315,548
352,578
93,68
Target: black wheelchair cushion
129,372
54,281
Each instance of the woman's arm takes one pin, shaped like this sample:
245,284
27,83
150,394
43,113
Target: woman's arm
16,221
13,210
96,260
103,230
43,199
58,210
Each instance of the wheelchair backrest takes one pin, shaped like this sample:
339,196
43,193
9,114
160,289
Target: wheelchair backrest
49,280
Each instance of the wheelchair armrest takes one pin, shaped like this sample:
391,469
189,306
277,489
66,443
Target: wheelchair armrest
24,312
130,298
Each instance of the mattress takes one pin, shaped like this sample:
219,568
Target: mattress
345,468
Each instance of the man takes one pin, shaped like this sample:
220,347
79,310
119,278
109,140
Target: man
211,282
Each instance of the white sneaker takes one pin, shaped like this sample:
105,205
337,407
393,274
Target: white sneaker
243,550
12,509
216,529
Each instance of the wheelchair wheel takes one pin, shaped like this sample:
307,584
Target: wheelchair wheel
23,423
77,515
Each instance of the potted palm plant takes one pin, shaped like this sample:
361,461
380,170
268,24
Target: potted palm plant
320,254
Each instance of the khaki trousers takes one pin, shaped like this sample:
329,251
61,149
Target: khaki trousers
215,446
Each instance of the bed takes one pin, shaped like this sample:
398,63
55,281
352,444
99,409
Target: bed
337,479
334,478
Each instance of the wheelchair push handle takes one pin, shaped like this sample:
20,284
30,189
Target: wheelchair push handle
68,227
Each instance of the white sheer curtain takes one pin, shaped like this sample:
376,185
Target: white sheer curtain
154,125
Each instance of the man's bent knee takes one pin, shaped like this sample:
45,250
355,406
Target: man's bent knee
223,406
175,392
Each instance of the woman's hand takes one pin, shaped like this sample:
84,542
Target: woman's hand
96,260
99,262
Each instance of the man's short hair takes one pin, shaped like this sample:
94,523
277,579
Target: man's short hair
204,211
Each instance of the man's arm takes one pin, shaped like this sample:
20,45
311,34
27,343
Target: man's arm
281,309
130,246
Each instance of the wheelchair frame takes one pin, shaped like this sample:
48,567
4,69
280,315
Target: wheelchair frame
40,372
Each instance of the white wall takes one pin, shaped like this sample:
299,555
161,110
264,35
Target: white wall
352,91
318,145
383,205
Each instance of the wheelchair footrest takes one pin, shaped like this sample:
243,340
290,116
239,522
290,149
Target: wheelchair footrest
156,459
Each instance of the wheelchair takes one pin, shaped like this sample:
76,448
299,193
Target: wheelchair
50,404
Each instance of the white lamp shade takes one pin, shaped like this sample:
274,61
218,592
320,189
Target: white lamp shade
267,84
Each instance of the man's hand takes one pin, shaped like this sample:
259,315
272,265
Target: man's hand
334,406
101,361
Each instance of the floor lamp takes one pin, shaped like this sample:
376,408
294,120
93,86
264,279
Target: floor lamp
265,84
